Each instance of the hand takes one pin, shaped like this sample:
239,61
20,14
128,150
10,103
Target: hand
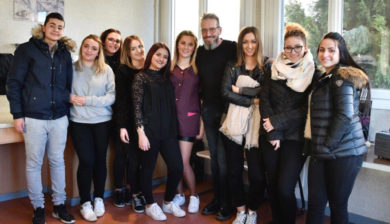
275,143
19,125
201,131
256,101
235,89
143,141
267,125
124,135
77,100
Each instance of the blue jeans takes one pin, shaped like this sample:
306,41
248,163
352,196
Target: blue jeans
211,118
331,180
49,135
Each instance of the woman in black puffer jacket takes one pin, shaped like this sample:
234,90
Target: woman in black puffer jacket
337,141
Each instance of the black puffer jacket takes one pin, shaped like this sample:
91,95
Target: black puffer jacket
245,98
335,127
39,85
286,109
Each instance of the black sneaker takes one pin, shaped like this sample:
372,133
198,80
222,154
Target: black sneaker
127,197
39,216
118,199
138,206
59,212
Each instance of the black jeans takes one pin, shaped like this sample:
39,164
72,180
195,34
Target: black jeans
211,119
170,151
91,142
127,163
282,168
331,180
235,158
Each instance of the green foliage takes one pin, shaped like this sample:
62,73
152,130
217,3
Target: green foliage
366,30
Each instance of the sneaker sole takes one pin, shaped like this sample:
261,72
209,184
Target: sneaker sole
138,211
119,205
64,221
168,212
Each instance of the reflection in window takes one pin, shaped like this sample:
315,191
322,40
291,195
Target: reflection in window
228,12
366,30
312,15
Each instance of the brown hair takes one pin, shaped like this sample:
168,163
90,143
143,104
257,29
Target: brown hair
125,54
176,53
152,51
259,47
103,37
295,30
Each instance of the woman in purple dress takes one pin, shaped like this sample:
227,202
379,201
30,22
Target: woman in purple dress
185,79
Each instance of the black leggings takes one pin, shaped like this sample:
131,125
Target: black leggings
127,163
90,142
235,159
282,168
170,151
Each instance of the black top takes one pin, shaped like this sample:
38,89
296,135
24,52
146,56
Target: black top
211,66
113,62
335,127
124,102
154,104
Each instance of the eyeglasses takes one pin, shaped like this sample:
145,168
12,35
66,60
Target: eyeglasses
117,41
297,49
211,30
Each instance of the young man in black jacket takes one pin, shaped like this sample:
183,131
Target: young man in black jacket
38,89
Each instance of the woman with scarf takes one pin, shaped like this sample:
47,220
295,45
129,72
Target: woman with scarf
241,88
283,109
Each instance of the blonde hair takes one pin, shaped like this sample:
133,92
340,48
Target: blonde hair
125,54
193,55
99,63
295,30
259,47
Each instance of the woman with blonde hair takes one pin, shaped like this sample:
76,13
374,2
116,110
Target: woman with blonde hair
93,93
283,109
241,88
185,80
127,159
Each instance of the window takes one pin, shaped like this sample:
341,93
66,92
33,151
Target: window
186,17
228,12
312,15
366,30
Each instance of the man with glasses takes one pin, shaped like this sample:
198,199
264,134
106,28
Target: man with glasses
211,61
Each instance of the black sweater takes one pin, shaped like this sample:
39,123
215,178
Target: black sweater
211,66
124,102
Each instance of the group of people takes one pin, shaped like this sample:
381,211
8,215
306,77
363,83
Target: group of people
278,112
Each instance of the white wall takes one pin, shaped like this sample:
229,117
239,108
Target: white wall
85,17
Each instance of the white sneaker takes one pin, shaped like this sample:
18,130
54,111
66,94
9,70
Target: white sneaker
193,206
179,199
240,218
87,212
98,207
155,212
174,209
251,218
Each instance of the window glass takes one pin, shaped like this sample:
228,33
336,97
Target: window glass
366,30
312,15
228,12
186,17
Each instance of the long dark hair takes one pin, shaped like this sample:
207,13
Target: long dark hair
259,47
166,69
345,56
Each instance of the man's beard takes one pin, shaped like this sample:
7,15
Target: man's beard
211,46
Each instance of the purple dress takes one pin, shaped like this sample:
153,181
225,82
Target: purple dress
186,84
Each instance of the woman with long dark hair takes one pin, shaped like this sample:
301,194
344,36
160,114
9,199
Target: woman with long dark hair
241,88
337,140
155,119
126,162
